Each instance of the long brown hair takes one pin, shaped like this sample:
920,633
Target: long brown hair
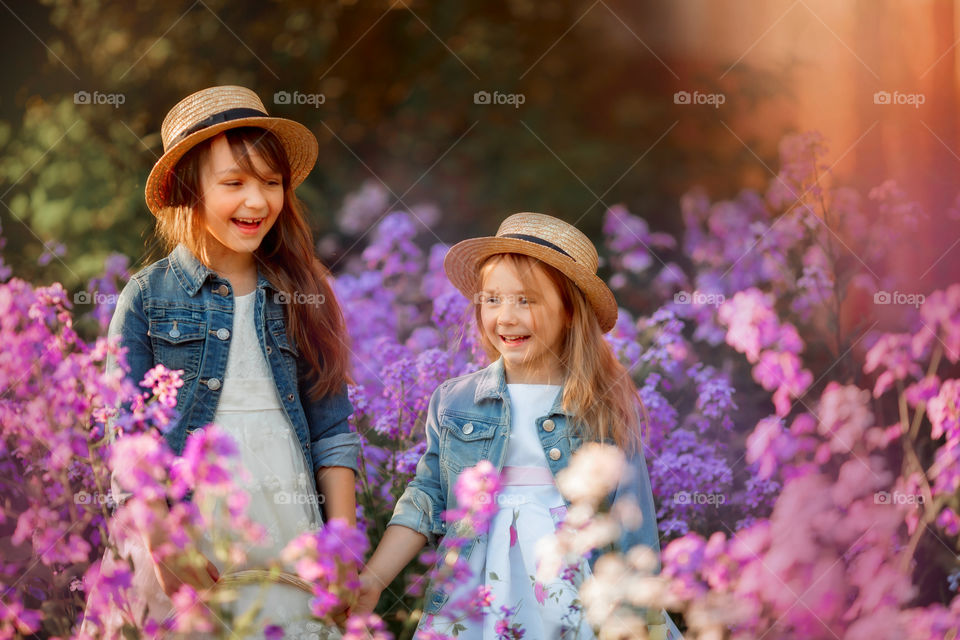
597,388
285,257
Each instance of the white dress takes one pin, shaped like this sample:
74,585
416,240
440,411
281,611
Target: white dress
530,508
282,498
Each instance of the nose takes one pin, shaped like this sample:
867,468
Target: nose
508,314
254,196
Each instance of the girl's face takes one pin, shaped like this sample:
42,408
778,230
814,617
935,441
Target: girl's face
527,326
238,208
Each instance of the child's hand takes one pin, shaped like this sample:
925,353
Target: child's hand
178,569
368,595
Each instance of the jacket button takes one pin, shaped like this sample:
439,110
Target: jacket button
223,333
213,384
174,333
223,290
555,454
468,428
290,397
548,425
269,350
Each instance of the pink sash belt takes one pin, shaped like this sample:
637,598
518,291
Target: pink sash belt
525,476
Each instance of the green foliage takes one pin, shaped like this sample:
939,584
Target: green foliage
399,84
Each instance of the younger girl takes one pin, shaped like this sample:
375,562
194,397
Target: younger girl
243,308
555,382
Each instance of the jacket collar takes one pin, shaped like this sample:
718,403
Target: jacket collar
192,273
493,384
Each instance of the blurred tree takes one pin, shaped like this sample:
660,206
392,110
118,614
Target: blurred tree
398,80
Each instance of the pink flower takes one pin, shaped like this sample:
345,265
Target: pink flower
769,445
752,323
366,627
941,315
684,555
949,521
893,353
944,411
844,416
540,592
192,615
476,491
782,371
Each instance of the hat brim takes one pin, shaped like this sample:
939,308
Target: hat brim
298,141
463,260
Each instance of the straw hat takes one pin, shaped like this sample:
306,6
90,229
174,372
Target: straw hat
202,115
545,238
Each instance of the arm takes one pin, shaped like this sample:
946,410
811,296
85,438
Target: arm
336,485
397,548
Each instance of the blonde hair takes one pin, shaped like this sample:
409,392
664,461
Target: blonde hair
597,388
285,255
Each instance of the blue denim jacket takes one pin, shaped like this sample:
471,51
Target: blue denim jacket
468,420
179,313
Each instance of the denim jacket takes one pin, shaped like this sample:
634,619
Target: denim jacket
468,420
179,313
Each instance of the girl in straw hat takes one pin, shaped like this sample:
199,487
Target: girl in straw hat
554,383
244,309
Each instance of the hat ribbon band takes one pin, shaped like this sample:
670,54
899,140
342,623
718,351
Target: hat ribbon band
216,118
539,241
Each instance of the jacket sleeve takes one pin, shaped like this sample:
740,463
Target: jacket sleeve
129,322
332,443
423,502
635,487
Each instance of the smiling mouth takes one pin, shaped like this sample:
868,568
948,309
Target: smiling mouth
248,224
512,340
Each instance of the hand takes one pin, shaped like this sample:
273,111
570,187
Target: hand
179,568
347,579
368,595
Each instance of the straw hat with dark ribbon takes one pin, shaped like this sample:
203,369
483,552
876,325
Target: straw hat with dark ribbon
545,238
202,115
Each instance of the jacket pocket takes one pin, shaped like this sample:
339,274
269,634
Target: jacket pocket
178,344
279,332
464,441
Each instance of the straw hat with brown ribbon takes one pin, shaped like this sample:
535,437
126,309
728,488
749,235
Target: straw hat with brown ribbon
202,115
545,238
